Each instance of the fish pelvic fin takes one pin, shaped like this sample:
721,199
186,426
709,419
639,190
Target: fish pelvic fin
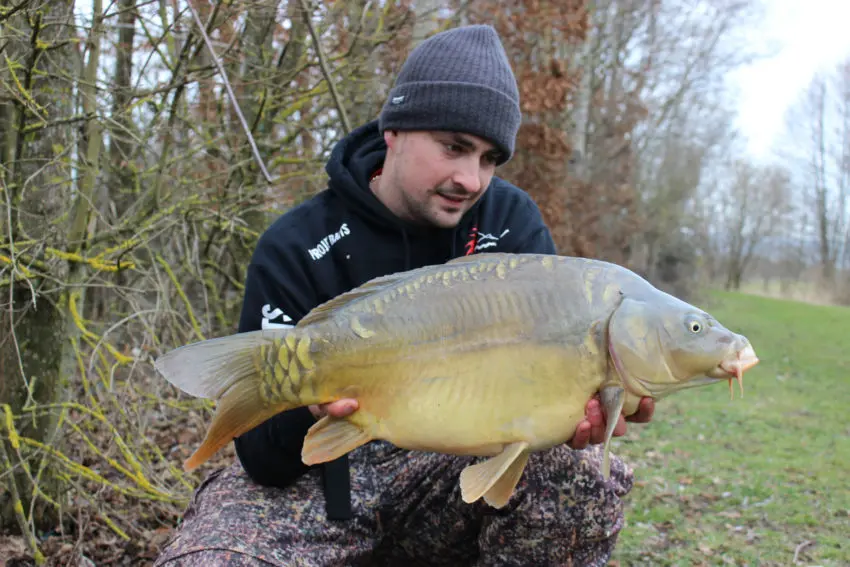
613,398
244,375
330,438
496,478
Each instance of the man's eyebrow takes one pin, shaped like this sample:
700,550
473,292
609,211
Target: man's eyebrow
471,144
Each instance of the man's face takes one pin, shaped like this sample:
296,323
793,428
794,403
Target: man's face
435,177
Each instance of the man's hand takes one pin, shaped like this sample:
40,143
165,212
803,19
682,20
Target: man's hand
339,408
591,431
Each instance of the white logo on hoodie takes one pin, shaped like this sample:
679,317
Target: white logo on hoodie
269,315
324,245
486,240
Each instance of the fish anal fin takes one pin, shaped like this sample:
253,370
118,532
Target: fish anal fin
330,438
477,480
501,492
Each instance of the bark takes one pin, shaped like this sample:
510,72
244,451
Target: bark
32,99
30,337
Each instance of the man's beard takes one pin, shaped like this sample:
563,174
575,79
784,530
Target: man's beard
424,212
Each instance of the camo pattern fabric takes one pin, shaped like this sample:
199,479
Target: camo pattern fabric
407,511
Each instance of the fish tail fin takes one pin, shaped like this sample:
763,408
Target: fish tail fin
207,369
239,410
229,370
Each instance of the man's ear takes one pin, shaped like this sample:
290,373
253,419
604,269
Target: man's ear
390,137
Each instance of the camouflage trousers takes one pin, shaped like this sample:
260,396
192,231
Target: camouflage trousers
407,511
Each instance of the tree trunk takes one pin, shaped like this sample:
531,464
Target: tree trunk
123,177
37,356
31,336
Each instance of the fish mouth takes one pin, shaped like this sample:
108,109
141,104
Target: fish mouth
735,366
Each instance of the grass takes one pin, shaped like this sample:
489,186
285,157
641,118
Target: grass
760,479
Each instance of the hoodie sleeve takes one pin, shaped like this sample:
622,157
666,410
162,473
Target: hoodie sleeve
277,292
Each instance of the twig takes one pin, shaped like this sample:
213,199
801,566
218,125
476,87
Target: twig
13,487
230,93
11,12
800,548
306,10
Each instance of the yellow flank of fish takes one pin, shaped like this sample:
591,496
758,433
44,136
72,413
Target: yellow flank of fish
282,354
279,373
303,353
294,373
611,293
588,290
360,330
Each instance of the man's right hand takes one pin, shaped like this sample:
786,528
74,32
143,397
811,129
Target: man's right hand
339,408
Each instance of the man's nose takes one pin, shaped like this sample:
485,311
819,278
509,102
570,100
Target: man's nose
468,176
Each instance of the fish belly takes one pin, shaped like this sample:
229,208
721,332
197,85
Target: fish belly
476,402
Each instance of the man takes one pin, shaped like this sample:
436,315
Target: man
413,188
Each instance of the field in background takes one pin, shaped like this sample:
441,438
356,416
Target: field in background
805,290
755,481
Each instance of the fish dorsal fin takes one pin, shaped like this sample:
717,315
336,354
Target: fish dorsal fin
371,287
480,256
382,283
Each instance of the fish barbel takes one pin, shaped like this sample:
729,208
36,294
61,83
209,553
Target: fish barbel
492,355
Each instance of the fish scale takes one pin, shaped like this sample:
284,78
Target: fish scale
492,355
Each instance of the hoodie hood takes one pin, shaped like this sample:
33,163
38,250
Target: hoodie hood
352,163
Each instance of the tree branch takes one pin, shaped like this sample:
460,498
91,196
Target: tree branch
343,116
230,94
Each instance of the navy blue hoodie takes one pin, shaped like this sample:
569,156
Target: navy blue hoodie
337,240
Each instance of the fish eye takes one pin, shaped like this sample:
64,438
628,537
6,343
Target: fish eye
694,325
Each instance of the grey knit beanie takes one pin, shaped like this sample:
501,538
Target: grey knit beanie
458,80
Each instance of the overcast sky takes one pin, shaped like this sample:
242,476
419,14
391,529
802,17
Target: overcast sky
806,39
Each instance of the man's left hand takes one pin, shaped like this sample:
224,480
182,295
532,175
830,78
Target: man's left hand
591,430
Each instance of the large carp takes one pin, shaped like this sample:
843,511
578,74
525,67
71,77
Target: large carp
491,355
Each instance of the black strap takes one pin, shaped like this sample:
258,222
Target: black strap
337,481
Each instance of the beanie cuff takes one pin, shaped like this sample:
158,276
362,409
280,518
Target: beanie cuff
454,106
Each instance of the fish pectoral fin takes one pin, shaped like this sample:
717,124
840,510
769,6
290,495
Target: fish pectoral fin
330,438
613,398
495,478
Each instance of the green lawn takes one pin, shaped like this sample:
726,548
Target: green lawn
753,480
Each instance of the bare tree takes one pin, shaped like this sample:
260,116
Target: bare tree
36,146
754,208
